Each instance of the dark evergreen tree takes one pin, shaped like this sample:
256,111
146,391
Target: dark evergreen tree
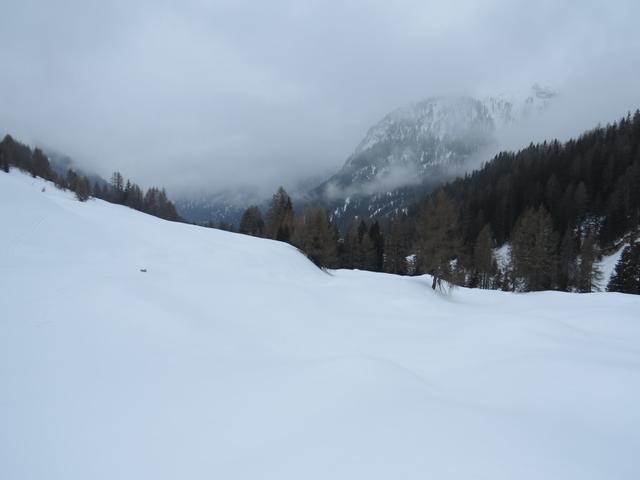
16,154
396,245
589,275
567,265
377,239
533,251
483,262
626,275
81,188
366,254
151,201
279,222
4,160
166,209
251,222
133,196
439,239
315,236
98,191
117,188
71,180
40,165
349,247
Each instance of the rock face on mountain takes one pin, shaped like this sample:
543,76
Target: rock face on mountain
415,148
415,143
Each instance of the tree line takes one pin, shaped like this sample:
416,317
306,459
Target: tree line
316,235
558,206
120,191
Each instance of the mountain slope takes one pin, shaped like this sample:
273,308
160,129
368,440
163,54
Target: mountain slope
424,139
234,357
224,207
416,148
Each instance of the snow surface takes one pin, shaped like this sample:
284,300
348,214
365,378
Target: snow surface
607,265
235,358
502,255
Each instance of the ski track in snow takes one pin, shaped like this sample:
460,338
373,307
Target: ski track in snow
234,357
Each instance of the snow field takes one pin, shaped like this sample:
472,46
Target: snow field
234,357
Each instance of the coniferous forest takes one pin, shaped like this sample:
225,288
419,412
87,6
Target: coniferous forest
558,206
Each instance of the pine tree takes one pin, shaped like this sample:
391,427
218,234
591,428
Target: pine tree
251,222
366,255
166,208
567,265
81,188
71,180
439,239
580,199
316,237
589,274
40,165
117,186
16,154
533,251
4,160
279,223
395,247
626,275
349,248
483,262
133,196
150,201
377,239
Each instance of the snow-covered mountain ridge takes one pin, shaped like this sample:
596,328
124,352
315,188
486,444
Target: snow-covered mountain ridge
415,148
430,140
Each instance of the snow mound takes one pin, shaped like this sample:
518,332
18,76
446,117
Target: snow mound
234,357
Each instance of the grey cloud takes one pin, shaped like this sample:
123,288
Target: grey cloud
217,94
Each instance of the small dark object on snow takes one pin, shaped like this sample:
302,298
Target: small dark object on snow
143,270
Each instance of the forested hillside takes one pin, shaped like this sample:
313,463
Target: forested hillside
124,192
559,206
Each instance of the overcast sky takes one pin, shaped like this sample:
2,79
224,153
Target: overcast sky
214,94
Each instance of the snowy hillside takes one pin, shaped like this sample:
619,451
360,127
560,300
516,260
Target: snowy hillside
233,357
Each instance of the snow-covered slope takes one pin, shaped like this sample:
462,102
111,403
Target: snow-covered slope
234,357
